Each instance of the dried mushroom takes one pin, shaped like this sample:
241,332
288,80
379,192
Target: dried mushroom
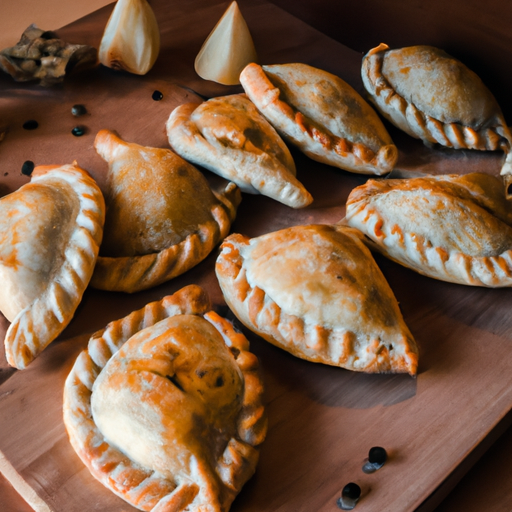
40,55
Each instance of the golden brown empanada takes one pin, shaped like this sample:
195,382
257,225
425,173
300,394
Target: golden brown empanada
50,233
321,114
228,136
449,227
435,97
162,216
317,292
165,409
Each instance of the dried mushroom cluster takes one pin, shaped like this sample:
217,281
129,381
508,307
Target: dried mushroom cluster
40,55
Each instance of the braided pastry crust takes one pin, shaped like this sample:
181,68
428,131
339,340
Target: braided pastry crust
452,228
162,216
165,406
317,292
50,233
322,115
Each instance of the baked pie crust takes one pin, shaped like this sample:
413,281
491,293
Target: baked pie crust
449,227
162,216
229,137
322,115
317,292
50,233
435,97
165,409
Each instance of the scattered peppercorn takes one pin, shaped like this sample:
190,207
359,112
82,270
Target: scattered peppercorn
78,110
30,125
157,96
78,131
27,167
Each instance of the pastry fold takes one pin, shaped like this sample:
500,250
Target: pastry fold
434,97
165,409
322,115
162,216
229,137
317,292
50,233
449,227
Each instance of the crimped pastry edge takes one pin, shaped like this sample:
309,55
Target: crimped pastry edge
137,485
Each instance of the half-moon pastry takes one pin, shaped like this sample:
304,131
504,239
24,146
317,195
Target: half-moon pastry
322,115
50,233
449,227
317,292
228,136
165,409
435,97
162,217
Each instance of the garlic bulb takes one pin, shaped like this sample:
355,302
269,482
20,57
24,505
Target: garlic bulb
131,40
227,50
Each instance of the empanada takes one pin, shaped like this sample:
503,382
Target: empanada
435,97
165,409
50,233
317,292
449,227
162,216
321,114
228,136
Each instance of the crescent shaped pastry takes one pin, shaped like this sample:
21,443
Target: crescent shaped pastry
165,409
449,227
228,136
435,97
317,292
162,217
50,233
322,115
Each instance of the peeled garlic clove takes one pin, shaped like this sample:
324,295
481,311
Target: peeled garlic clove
131,40
227,50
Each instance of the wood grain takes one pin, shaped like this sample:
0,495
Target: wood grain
323,420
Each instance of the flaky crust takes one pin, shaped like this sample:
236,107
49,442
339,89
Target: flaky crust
228,136
453,228
321,114
50,235
162,216
317,292
434,97
215,473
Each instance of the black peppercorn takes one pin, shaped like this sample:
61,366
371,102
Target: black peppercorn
78,110
349,496
27,167
157,96
78,131
30,125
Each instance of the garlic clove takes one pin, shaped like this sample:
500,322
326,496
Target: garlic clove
227,50
131,40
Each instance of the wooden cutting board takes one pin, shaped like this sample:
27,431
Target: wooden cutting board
322,420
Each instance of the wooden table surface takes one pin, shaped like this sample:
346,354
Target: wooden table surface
322,420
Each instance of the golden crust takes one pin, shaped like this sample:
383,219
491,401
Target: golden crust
321,114
316,292
144,363
228,136
49,241
452,228
162,216
434,97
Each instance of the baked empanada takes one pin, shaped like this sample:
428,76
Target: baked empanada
317,292
449,227
435,97
165,409
322,115
228,136
50,233
162,217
